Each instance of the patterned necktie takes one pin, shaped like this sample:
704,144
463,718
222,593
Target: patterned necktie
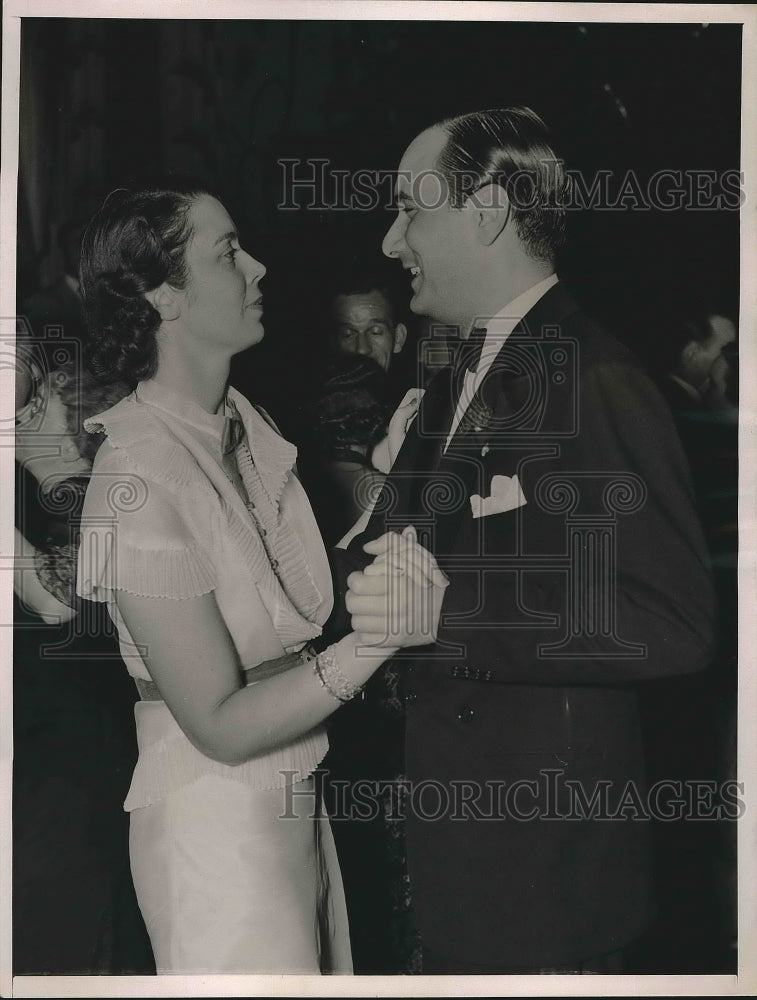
233,429
477,412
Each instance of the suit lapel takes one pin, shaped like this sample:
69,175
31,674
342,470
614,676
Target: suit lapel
430,486
499,410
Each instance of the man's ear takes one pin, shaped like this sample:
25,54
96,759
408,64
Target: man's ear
492,211
400,336
164,299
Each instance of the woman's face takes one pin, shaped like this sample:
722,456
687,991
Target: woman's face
221,303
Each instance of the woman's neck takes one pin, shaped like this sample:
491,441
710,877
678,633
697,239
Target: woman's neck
202,379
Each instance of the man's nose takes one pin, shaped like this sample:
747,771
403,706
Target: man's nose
395,238
363,344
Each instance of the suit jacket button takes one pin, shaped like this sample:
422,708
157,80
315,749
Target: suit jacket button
466,714
410,699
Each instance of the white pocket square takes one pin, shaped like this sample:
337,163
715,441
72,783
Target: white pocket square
506,494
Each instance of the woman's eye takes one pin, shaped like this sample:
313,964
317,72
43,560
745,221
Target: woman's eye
231,253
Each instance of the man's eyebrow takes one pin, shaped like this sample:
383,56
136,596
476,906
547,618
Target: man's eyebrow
231,235
372,321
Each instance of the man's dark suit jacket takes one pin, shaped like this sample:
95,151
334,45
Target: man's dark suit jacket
532,677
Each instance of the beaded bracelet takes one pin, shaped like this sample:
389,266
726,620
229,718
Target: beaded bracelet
328,672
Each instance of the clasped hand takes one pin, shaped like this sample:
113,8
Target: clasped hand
397,599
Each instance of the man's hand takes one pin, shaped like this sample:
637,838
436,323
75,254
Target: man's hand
397,600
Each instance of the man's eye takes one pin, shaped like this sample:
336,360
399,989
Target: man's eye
231,253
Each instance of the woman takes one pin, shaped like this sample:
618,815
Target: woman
199,536
74,745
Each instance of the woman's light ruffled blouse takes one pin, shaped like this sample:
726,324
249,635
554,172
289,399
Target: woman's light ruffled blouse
161,519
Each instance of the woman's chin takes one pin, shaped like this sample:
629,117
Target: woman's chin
256,334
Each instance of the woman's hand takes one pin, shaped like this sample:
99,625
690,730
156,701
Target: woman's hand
397,599
387,449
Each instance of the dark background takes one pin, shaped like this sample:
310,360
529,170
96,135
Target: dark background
103,100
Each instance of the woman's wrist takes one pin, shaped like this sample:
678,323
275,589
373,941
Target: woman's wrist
345,666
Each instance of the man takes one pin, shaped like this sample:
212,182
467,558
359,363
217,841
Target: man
545,477
364,320
699,366
693,353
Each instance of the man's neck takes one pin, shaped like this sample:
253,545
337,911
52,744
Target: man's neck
493,294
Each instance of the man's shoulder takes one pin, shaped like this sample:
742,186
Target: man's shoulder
593,344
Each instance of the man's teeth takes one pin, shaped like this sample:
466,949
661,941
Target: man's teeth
415,270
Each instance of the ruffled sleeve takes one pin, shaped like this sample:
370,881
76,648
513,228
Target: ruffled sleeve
143,535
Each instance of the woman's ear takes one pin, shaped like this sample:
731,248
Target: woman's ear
492,208
165,300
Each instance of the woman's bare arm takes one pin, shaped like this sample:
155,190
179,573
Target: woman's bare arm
191,657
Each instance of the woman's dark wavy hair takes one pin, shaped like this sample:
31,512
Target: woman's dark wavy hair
135,242
351,406
509,147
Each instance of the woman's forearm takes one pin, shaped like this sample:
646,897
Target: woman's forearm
258,718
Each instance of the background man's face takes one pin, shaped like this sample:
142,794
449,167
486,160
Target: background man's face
364,325
706,360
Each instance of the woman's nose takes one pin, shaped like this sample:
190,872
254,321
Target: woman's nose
394,238
254,270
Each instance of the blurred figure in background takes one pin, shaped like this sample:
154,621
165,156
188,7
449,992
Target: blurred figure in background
349,418
350,415
690,348
59,304
365,316
74,909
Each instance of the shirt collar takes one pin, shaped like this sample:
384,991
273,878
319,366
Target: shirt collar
687,387
512,313
499,327
157,394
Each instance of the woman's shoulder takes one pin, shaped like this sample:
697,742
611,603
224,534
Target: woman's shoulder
137,440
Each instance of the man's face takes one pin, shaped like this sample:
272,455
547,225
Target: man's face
430,238
706,360
364,325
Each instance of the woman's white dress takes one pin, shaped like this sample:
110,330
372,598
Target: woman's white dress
234,866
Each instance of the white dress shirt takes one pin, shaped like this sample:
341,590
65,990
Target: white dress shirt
498,329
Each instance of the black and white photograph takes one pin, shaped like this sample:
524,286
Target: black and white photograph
381,460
